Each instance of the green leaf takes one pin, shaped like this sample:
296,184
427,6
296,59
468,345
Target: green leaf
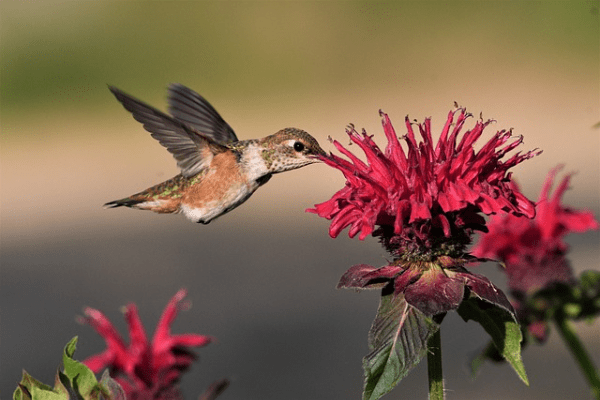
82,378
77,382
398,340
42,394
590,287
29,382
577,300
21,393
489,353
501,325
590,281
28,386
59,387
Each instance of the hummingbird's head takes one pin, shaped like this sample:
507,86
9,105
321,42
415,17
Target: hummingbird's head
290,148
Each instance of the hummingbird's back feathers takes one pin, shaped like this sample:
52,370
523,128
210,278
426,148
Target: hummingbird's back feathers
192,151
195,111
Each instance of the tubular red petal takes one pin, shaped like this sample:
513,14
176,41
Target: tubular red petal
163,328
190,340
137,335
425,185
99,361
106,329
394,149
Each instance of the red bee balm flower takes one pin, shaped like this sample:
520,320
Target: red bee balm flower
145,370
424,204
533,250
428,194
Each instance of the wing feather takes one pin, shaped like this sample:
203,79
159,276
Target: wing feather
194,110
192,151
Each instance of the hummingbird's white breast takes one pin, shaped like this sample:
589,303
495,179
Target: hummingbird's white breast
253,163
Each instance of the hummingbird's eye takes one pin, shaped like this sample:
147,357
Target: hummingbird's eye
298,146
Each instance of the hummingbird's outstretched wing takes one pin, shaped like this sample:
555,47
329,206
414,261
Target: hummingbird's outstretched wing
193,109
191,149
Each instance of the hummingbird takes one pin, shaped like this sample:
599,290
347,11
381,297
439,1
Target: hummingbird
218,171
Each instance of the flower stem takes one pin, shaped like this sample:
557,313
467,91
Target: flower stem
579,353
434,367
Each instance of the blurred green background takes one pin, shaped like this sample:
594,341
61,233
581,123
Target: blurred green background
262,277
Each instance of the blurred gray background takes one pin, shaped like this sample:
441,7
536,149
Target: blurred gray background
262,278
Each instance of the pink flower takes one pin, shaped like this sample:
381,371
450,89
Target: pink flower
533,250
429,193
424,203
145,370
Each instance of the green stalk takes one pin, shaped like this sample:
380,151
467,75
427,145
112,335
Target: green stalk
434,367
579,353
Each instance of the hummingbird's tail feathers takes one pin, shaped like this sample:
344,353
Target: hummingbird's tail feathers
163,198
126,202
161,206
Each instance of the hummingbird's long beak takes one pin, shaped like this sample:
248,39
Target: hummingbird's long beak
320,153
321,156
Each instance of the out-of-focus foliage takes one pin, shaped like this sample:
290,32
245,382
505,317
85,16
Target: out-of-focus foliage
75,381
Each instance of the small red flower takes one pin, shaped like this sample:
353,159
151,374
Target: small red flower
533,250
428,193
145,370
